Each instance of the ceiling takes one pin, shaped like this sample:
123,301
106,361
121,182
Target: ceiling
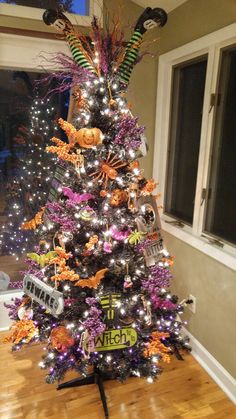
167,5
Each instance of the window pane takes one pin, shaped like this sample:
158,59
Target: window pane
185,132
27,124
80,7
221,204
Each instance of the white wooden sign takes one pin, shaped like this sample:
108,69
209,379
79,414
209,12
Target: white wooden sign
45,295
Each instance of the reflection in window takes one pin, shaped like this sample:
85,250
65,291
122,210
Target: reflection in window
80,7
221,204
185,132
27,122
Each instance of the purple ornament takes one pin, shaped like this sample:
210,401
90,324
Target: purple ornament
107,247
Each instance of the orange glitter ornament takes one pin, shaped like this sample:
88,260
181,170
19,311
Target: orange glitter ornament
35,222
61,339
169,261
92,241
90,245
118,197
65,273
133,165
149,187
103,193
156,347
63,151
23,329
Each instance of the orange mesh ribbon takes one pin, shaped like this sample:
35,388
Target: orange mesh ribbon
156,347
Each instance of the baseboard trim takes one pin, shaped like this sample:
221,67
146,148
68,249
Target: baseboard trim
218,373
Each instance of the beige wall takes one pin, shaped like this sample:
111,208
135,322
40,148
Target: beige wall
213,284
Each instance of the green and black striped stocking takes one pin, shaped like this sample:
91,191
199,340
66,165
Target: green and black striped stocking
77,53
130,58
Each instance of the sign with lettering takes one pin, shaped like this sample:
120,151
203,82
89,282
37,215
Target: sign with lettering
148,221
45,295
109,306
113,339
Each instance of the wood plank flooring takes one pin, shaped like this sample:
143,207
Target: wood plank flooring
183,391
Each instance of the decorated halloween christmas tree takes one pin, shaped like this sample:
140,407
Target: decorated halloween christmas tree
97,288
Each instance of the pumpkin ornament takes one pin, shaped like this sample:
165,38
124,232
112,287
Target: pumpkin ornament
60,338
118,197
88,137
85,137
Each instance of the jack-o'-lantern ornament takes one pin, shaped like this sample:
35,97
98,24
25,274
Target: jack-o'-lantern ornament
118,197
61,339
87,137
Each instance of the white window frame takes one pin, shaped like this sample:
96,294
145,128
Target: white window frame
34,13
211,45
26,52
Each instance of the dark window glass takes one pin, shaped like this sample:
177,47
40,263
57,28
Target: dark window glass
185,131
221,203
80,7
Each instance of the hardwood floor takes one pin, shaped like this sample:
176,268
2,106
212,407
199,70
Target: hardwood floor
183,391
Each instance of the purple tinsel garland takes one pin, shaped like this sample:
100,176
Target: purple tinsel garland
13,308
158,302
68,75
159,278
129,132
15,285
60,217
93,324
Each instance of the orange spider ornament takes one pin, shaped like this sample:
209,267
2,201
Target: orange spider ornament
108,168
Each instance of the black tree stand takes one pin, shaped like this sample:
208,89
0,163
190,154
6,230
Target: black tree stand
96,377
